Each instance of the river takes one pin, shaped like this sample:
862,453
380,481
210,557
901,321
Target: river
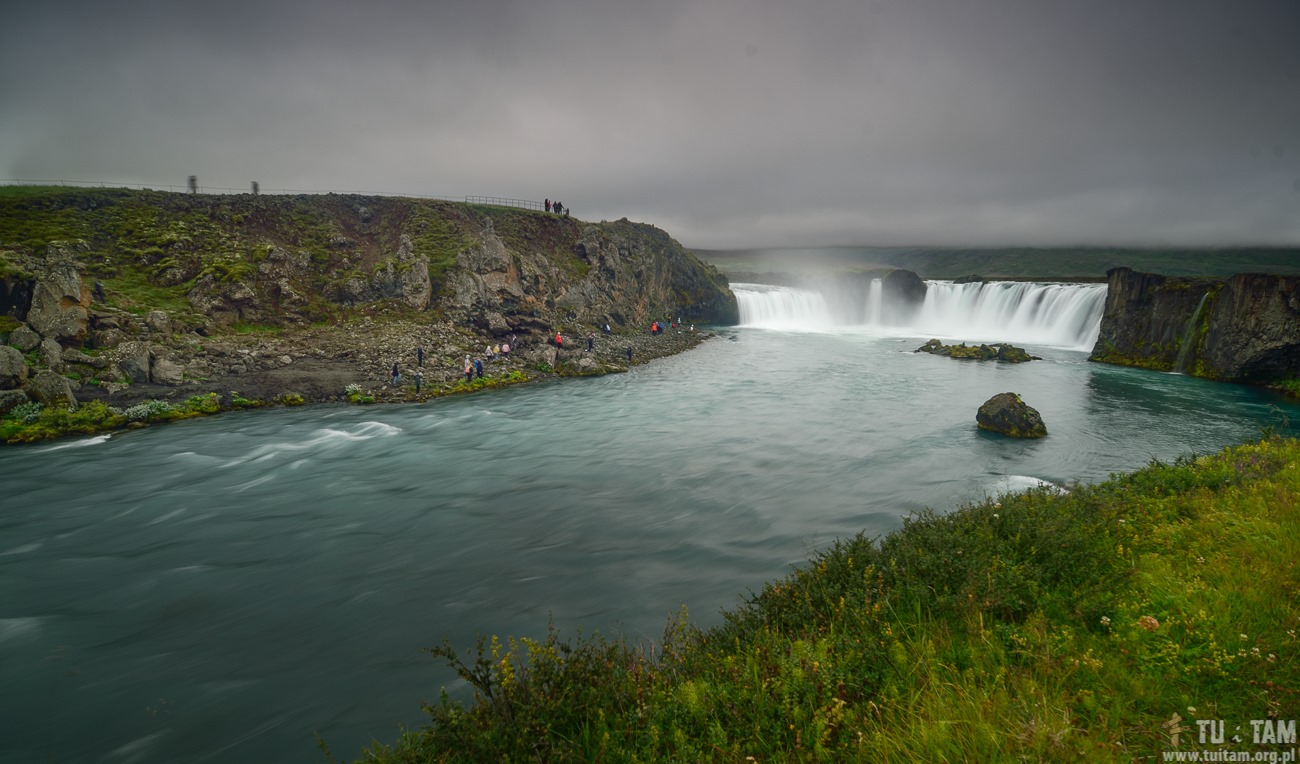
221,590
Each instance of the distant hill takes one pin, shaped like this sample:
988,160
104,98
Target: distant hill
1073,264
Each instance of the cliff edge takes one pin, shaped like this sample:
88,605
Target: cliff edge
1242,329
126,294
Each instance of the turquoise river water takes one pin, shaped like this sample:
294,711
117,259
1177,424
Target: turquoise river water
221,590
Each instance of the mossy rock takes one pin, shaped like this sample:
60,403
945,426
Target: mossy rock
1007,414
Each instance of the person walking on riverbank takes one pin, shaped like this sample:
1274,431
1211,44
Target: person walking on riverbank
419,381
478,367
629,354
469,371
397,375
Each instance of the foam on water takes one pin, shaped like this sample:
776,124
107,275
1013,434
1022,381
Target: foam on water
80,443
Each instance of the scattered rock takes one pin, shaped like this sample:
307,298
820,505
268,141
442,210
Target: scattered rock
133,360
52,353
24,338
11,398
60,301
1008,414
166,372
78,357
13,368
51,389
159,322
999,351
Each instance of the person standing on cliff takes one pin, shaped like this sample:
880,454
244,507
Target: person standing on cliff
559,341
591,341
629,354
548,204
419,355
397,375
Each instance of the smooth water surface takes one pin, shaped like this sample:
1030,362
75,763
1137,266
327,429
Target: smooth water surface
222,589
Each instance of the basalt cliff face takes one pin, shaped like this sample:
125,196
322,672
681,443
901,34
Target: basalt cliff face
1245,328
120,287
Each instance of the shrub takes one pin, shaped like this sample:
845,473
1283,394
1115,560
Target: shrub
203,404
289,399
147,411
27,413
240,402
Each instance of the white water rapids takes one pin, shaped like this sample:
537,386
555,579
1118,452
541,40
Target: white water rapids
1060,315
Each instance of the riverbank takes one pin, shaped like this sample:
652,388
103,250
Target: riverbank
350,364
1109,623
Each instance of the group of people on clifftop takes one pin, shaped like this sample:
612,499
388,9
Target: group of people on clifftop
557,208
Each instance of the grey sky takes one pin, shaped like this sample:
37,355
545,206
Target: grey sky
727,123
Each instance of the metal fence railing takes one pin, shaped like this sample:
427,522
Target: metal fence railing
498,201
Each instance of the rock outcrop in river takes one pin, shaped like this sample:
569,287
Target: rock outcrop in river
1245,328
120,293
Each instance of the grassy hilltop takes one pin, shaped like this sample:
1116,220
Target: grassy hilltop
1035,627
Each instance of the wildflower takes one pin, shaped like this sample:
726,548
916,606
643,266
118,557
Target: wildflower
1200,559
1271,657
1291,633
1191,709
1244,637
1105,620
1121,521
995,515
1254,651
1148,623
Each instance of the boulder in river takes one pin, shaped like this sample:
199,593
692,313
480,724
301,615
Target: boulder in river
1008,414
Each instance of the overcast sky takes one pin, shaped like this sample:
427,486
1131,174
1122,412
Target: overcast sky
729,123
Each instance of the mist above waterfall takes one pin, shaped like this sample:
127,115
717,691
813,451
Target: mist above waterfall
1061,315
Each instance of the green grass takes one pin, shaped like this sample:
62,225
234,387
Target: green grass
246,327
1037,627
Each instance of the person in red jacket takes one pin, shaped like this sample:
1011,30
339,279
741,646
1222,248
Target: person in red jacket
559,341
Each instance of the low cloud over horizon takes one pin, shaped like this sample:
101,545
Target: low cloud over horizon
729,123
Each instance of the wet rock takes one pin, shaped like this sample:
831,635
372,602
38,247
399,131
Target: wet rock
1006,413
13,368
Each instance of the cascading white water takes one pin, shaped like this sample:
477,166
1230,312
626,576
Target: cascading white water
777,307
1063,315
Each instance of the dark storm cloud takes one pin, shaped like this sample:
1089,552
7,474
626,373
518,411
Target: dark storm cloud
727,123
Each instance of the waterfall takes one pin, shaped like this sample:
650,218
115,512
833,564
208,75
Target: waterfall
1186,345
777,307
1063,315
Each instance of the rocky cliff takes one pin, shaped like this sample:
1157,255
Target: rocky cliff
1245,328
136,288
